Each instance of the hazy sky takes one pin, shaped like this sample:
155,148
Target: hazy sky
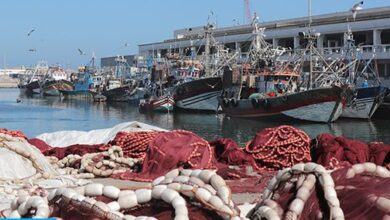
104,26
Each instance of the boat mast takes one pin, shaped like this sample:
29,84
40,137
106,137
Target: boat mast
207,49
310,83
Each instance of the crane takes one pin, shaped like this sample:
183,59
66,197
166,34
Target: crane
247,11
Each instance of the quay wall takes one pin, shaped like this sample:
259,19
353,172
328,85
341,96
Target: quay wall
8,82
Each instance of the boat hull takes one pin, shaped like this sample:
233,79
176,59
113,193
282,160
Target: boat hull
204,102
162,104
365,104
320,112
120,94
32,87
321,101
137,96
200,94
52,88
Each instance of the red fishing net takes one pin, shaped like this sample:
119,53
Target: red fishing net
173,149
228,152
280,147
13,133
61,152
134,144
329,150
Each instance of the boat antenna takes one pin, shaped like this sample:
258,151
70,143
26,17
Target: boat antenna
309,13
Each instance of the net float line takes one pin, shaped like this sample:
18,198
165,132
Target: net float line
308,176
203,186
91,165
280,147
17,134
7,138
104,164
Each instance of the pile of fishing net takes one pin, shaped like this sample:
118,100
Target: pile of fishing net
179,148
329,150
156,152
280,147
297,190
134,144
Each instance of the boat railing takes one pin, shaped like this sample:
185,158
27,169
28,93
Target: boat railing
383,48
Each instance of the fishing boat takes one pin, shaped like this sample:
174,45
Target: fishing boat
122,87
199,94
53,87
201,83
57,80
161,104
365,103
119,93
32,83
138,94
158,97
82,87
33,87
363,76
268,86
319,105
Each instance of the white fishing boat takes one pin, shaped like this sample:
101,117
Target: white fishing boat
362,75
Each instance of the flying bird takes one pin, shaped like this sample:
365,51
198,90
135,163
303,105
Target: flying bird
127,44
32,50
212,86
355,8
30,32
80,51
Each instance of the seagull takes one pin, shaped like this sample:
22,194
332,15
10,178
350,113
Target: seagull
356,7
212,86
30,32
32,50
127,44
80,51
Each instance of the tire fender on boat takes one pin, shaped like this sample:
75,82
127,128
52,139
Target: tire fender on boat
255,103
225,102
180,91
284,98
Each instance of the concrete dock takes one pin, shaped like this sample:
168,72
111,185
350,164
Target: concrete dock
8,82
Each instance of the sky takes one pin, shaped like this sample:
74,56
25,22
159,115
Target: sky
103,27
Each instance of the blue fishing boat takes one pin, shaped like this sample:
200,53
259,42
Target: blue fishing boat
82,89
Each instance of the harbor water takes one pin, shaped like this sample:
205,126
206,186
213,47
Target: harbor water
36,115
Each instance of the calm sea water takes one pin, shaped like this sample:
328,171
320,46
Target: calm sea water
37,115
